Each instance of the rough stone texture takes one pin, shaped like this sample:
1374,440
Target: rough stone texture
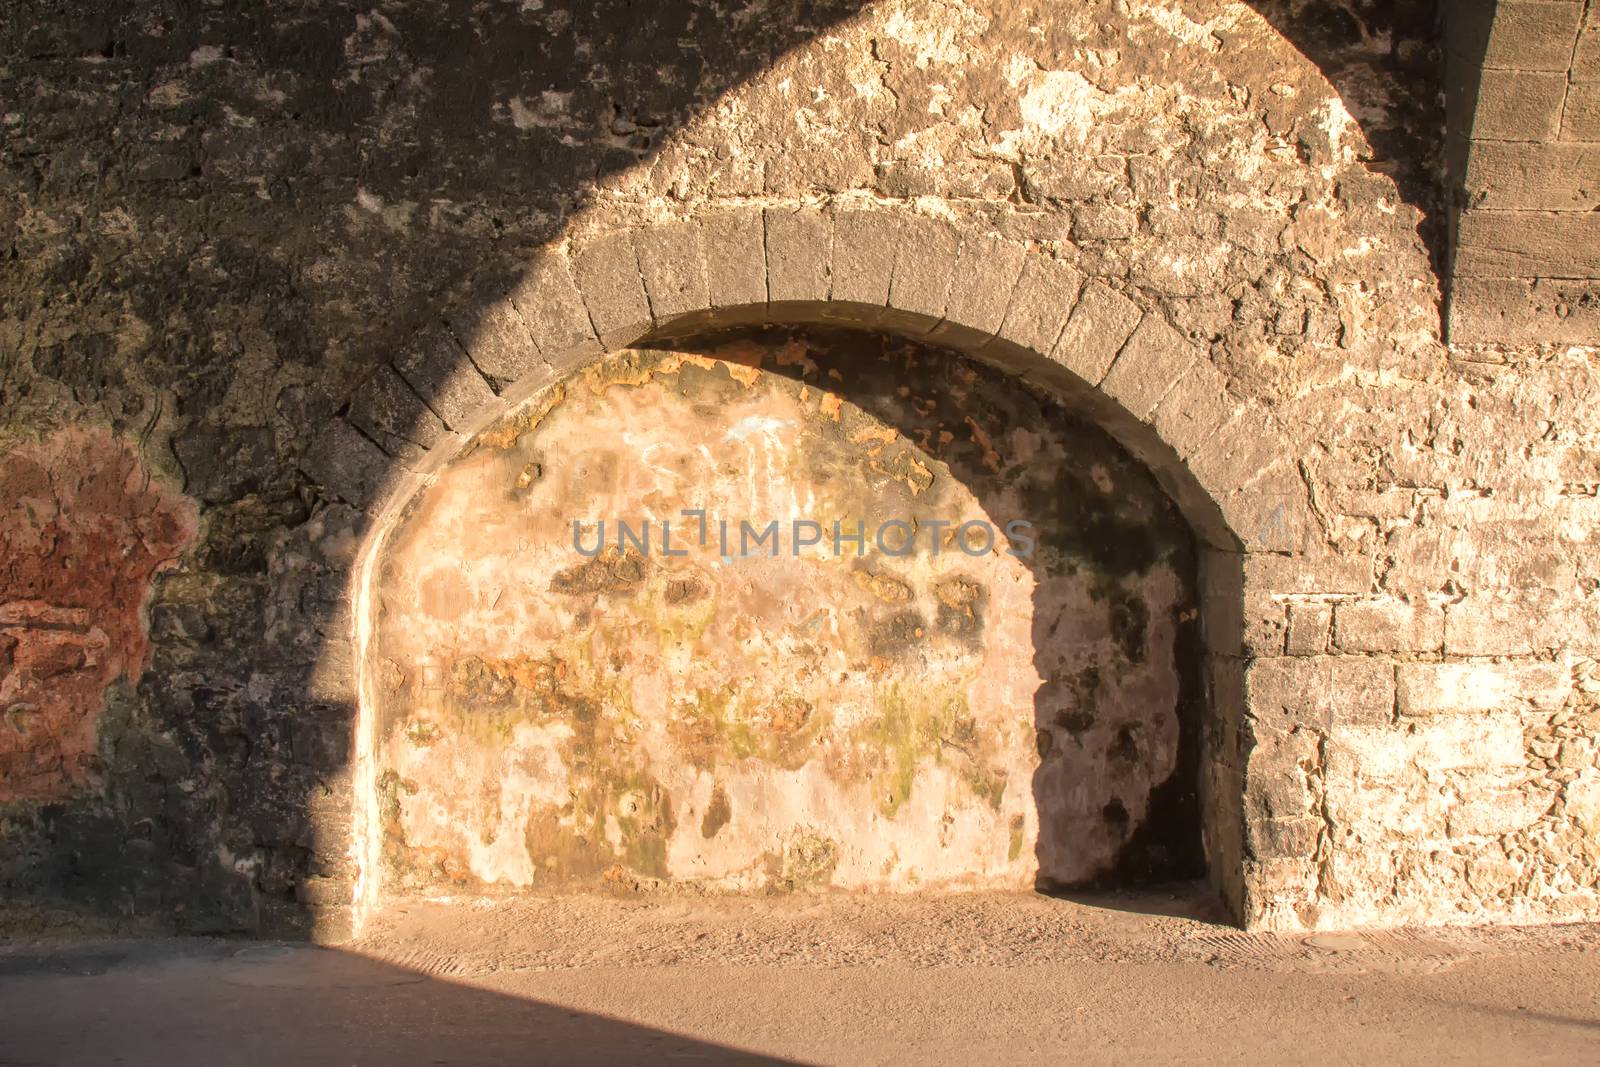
222,223
607,272
799,242
85,532
1522,110
740,714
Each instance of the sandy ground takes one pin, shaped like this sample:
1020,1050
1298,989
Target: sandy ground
981,979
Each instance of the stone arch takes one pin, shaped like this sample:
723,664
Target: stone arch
1224,462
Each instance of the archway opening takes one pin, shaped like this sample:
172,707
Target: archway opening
772,609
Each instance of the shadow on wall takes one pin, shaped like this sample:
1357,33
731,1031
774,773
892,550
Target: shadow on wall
1384,58
262,163
254,169
1118,736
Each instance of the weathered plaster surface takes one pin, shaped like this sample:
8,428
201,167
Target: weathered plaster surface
898,718
84,532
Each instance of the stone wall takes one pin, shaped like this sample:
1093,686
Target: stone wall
1524,118
292,259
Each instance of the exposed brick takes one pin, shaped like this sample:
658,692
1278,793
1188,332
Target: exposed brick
1586,56
1103,222
1240,449
1327,573
1496,812
1271,515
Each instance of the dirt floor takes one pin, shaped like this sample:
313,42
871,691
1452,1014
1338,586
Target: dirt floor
848,980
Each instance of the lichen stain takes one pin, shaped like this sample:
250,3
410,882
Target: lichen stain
735,719
86,527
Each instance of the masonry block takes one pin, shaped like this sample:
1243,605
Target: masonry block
391,414
864,243
1485,624
1586,56
1523,311
1195,409
437,369
548,300
348,465
1534,177
672,264
1272,513
1101,323
1240,450
1388,625
924,267
1532,35
736,257
1495,812
1430,689
799,247
1320,692
1325,572
986,272
606,269
1041,303
1519,105
1525,244
1580,121
1149,365
1309,624
1277,838
497,339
